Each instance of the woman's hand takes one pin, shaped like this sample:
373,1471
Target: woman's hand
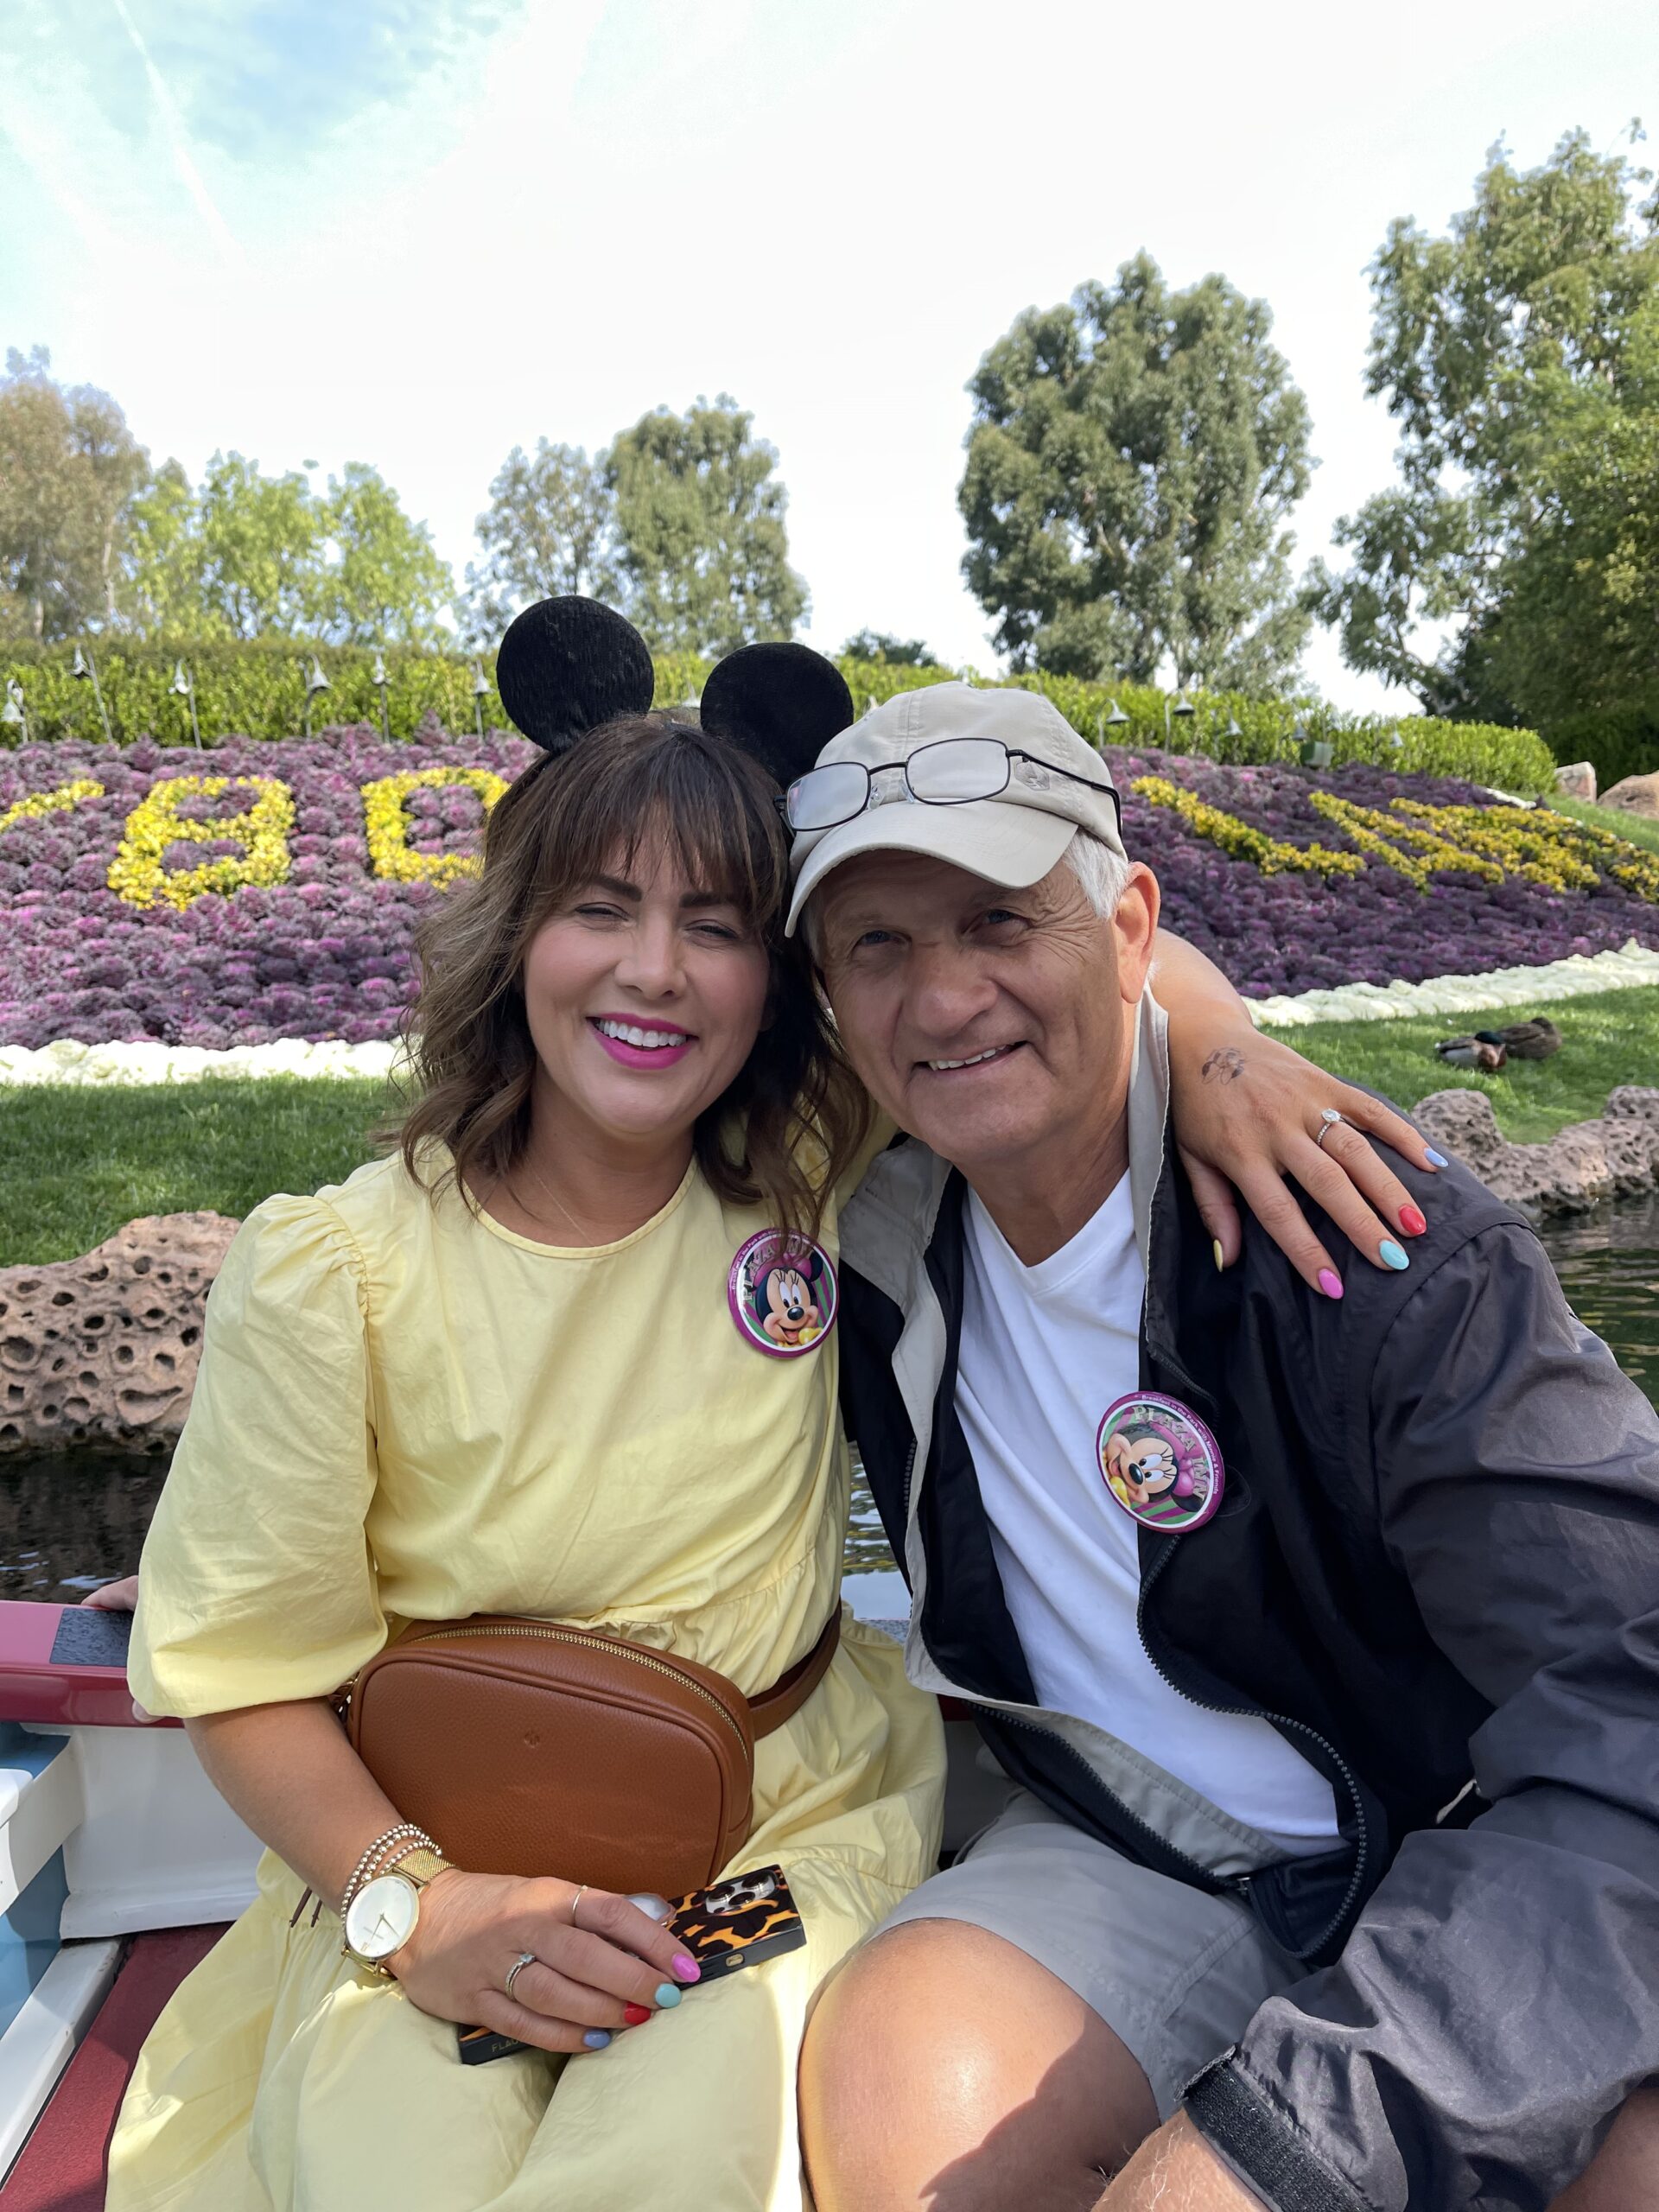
1247,1114
613,1971
115,1596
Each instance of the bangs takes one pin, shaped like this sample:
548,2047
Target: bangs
667,787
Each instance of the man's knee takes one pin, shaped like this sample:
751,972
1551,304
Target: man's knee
944,2066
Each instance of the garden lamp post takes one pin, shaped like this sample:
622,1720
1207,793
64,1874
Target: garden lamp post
1232,734
1183,710
378,677
82,667
1116,720
315,681
183,687
480,693
13,714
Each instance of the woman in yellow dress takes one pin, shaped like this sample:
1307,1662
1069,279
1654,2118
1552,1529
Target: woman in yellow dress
508,1370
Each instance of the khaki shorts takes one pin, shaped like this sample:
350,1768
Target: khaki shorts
1175,1972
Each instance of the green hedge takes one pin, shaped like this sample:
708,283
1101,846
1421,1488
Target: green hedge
259,690
1618,742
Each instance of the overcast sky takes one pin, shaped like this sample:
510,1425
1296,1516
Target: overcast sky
416,232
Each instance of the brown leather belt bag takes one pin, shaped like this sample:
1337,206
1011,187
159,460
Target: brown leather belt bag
523,1747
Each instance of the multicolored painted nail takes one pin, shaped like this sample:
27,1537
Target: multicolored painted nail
1413,1223
597,2038
1330,1282
1435,1158
635,2015
1215,1246
667,1995
1391,1255
687,1968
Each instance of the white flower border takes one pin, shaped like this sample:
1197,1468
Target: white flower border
68,1063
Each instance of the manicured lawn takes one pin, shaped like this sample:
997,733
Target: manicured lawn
1605,1041
1636,828
79,1163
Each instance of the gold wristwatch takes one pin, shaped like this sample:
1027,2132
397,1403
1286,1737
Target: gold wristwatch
382,1917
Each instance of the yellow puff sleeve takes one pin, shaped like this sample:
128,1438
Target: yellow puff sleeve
257,1585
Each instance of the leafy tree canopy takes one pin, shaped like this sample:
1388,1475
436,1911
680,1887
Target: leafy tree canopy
1513,569
550,529
899,652
68,468
1134,459
703,550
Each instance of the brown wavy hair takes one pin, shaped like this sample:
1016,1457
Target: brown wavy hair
784,1129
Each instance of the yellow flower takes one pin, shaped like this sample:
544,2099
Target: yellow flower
391,853
56,802
138,873
1270,855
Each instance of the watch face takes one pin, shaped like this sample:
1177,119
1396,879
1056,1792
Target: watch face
381,1917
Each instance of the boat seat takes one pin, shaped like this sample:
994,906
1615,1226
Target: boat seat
62,2166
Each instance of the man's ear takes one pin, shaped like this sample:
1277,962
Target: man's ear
1135,923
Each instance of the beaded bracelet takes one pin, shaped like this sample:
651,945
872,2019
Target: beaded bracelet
405,1832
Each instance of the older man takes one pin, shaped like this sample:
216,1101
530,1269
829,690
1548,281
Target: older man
1315,1633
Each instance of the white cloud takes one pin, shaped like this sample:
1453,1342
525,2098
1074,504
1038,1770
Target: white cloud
550,218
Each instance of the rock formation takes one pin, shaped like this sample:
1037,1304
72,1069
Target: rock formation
1636,795
103,1350
1577,780
1578,1167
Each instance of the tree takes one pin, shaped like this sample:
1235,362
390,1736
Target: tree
1519,357
383,584
897,652
69,467
159,591
550,529
704,553
261,540
1132,459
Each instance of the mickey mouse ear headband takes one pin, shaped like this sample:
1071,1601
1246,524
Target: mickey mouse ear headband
567,665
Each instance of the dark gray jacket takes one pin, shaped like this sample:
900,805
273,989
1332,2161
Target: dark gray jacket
1436,1570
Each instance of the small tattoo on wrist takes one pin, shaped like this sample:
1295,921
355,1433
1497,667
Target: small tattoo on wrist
1225,1065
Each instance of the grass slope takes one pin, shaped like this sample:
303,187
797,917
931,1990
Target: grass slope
1635,828
79,1163
1610,1038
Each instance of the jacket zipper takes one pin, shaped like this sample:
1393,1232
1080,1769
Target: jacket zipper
574,1636
1279,1720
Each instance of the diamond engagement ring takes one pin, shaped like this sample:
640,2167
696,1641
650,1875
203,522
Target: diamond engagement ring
1329,1118
525,1959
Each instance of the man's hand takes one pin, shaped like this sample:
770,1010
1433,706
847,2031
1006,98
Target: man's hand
1175,2171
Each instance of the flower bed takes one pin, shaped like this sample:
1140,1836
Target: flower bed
272,892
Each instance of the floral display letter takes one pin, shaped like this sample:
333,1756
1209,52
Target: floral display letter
139,872
391,853
39,803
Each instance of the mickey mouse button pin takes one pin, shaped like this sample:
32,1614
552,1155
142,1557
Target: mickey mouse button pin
782,1292
1160,1462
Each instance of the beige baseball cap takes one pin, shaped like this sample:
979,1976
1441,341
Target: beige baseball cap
1057,784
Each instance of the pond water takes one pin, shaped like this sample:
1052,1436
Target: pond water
70,1521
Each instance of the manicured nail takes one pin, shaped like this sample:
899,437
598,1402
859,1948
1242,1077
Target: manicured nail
597,2038
1411,1222
666,1995
635,2015
1330,1282
1215,1246
1391,1257
687,1968
1435,1158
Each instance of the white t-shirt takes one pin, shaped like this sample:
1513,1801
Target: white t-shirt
1044,1350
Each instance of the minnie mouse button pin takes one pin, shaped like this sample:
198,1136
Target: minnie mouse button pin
1160,1462
782,1292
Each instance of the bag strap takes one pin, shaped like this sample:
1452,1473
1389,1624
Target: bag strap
790,1692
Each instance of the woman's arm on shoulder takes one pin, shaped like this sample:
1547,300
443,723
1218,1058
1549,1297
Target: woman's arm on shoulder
1247,1112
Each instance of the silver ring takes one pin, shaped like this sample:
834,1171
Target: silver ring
1329,1118
525,1959
576,1901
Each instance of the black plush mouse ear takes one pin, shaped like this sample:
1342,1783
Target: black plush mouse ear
568,664
781,703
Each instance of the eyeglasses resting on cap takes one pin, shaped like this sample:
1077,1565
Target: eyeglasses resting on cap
952,772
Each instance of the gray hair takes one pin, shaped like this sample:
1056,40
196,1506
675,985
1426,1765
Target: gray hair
1101,876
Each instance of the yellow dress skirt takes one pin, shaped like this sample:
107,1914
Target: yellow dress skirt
405,1411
